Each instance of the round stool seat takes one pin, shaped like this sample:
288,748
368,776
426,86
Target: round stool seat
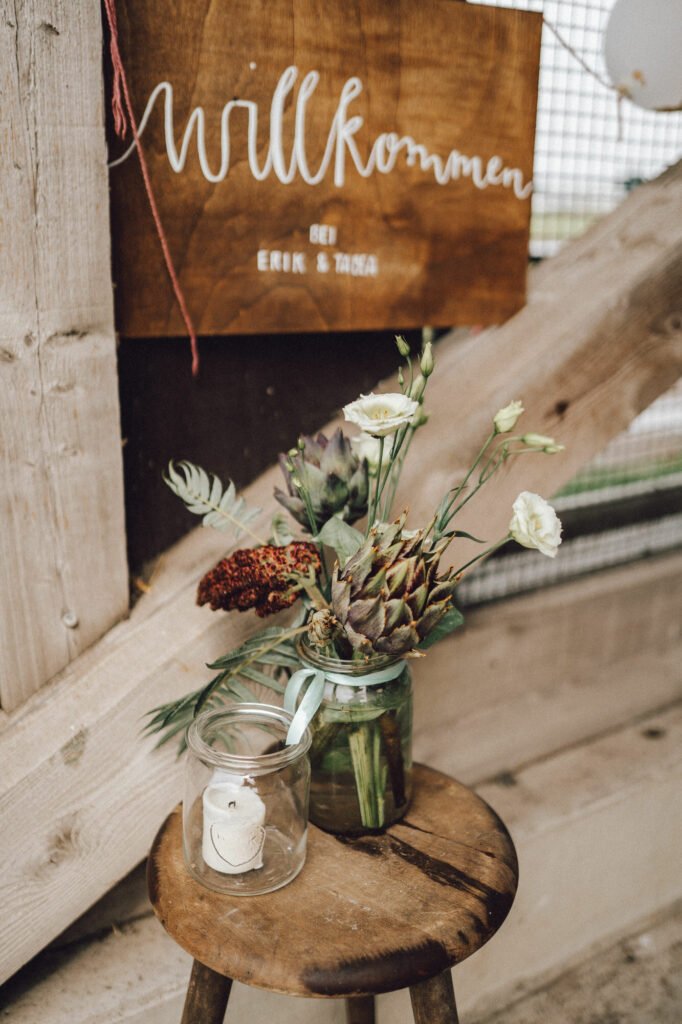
366,915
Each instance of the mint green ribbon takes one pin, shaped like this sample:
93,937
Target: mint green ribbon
312,698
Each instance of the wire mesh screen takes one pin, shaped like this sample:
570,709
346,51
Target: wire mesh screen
582,167
628,502
625,505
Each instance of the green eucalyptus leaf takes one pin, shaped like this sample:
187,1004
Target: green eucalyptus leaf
251,662
345,539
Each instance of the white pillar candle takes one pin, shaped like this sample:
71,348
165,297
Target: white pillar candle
233,833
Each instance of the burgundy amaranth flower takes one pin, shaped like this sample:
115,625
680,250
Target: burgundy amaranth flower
258,578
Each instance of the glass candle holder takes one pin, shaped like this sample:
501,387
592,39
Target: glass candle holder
245,810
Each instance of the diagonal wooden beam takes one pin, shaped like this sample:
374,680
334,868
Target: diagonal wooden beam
600,338
81,795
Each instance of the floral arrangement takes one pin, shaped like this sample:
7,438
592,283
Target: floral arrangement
380,590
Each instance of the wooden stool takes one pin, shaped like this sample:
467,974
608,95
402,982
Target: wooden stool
366,915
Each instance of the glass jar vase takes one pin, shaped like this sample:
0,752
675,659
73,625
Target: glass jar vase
246,799
361,752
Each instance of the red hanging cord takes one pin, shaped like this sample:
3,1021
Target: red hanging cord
120,85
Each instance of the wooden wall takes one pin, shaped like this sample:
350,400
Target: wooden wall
80,794
252,399
63,574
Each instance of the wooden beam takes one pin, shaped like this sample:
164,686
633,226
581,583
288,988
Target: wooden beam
600,338
520,662
81,795
63,574
598,830
590,824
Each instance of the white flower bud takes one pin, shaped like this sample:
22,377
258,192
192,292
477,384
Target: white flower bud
426,363
538,441
402,345
418,387
367,447
420,418
505,419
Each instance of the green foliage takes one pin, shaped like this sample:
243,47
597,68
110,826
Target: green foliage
345,539
242,676
281,534
205,496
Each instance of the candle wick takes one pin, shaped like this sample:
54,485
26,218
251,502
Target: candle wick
232,803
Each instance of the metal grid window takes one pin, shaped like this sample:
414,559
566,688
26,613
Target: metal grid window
628,502
582,168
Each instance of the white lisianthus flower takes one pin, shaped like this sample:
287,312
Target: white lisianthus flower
380,415
505,419
543,442
535,524
367,447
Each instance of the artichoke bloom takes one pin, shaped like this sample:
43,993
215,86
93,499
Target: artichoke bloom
388,596
337,481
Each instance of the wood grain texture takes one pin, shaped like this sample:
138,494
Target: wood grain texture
63,574
556,666
589,823
366,915
599,832
447,75
360,1010
73,753
433,1001
600,338
207,996
519,688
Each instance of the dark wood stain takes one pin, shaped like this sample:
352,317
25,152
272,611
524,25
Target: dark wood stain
410,824
496,904
446,254
653,733
366,915
251,401
383,973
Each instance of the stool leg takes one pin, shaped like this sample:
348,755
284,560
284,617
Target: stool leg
433,1001
360,1010
207,995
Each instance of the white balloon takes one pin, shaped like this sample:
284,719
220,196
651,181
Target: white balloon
643,52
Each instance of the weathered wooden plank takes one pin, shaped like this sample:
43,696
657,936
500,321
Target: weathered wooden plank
599,833
555,666
359,248
63,577
73,756
96,793
600,338
599,848
395,914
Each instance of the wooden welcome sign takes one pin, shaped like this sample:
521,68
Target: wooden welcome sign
326,166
